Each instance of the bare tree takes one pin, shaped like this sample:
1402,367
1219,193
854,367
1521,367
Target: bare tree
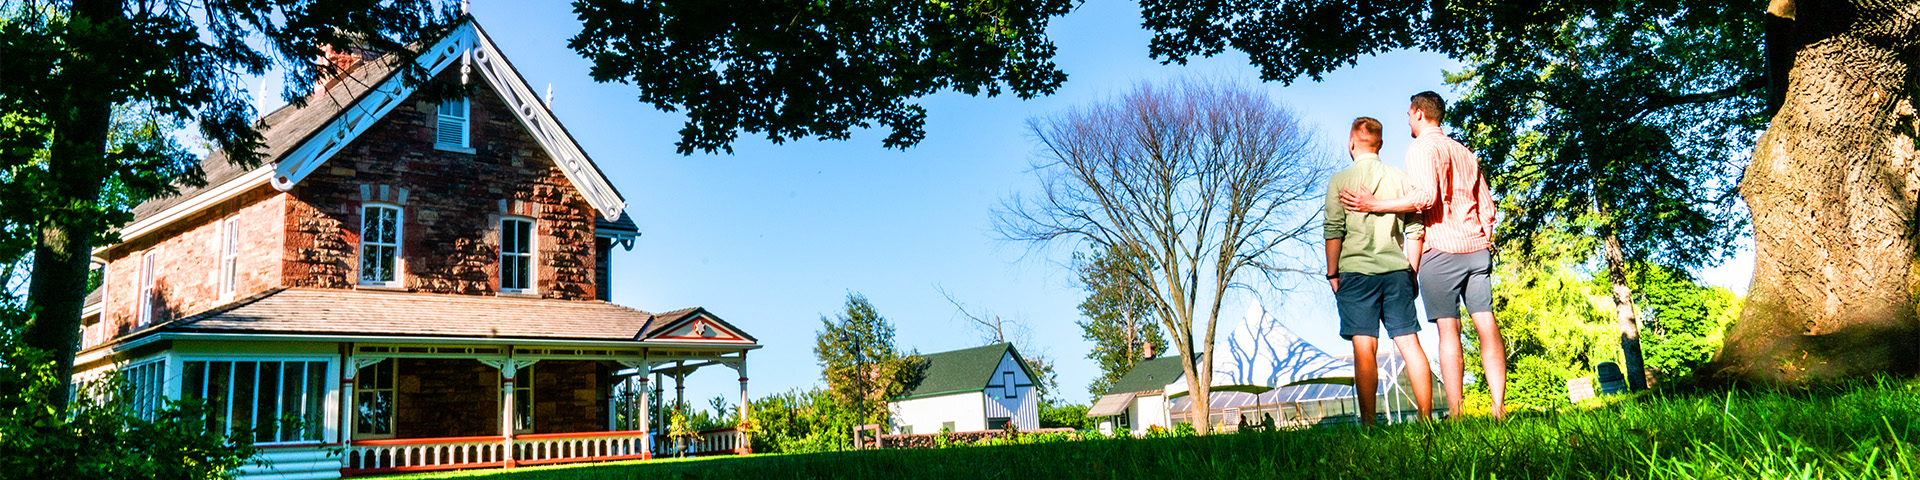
1204,183
994,328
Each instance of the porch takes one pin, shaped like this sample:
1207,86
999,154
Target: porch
426,408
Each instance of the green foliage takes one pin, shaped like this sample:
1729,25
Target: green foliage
1065,415
95,437
859,361
1557,317
1556,322
1863,431
1629,119
73,164
1686,321
798,68
801,421
1119,315
172,64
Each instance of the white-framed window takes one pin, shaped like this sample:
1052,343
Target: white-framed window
268,401
143,385
146,290
379,245
523,400
230,255
373,400
451,129
516,255
1012,390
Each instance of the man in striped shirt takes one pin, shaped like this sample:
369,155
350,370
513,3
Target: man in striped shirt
1456,263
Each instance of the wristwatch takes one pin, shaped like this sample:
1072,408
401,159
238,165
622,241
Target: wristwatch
1332,276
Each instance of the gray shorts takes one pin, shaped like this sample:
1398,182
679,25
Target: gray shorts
1450,279
1367,302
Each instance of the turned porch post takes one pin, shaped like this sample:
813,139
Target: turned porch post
680,385
643,413
509,368
746,440
507,373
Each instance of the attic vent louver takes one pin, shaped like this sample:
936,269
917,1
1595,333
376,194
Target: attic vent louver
451,130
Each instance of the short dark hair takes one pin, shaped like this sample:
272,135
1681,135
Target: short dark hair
1369,130
1432,104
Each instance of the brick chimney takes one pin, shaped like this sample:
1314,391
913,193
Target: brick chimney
337,65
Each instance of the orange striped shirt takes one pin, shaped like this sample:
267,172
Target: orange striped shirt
1444,183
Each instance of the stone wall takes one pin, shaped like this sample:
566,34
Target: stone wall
437,397
187,255
451,203
569,396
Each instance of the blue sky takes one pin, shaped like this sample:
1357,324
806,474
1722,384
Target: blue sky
773,236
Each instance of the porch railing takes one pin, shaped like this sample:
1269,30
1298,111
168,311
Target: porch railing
369,457
544,448
719,441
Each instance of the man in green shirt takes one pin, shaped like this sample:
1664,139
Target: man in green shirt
1371,277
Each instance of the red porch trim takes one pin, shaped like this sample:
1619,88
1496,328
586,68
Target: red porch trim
356,472
543,436
608,458
429,441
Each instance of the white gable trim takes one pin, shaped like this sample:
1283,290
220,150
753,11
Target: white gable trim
466,40
213,196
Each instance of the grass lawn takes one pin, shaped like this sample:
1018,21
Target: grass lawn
1864,431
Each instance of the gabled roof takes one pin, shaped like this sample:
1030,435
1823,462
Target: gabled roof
283,129
1147,376
695,325
314,311
962,370
299,140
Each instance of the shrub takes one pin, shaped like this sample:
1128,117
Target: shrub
97,438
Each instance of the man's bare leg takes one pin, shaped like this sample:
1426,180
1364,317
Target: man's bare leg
1419,373
1452,367
1493,359
1366,376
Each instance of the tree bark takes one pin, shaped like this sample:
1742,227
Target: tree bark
1625,311
69,218
1832,188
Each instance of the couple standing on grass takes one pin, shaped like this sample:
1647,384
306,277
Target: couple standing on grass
1444,207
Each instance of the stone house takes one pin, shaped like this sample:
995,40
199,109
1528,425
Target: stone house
402,285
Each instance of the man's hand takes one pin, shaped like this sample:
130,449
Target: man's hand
1335,283
1358,200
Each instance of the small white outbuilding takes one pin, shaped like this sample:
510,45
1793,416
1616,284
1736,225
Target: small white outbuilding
981,388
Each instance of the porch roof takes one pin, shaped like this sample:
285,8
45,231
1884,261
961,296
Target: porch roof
368,312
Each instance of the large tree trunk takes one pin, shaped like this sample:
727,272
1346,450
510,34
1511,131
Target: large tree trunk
68,218
1833,188
1624,311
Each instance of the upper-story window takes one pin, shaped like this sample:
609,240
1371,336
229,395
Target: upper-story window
230,255
146,290
379,245
452,128
1012,392
516,255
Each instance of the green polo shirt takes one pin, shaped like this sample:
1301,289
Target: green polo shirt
1370,241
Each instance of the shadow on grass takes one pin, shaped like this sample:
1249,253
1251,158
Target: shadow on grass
1867,430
